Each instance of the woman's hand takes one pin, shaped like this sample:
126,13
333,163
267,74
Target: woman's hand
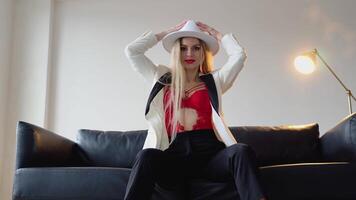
170,30
211,31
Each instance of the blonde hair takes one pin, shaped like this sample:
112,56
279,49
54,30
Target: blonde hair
179,79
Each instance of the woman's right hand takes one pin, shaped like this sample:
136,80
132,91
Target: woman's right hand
161,35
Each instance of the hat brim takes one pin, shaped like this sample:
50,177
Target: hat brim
169,39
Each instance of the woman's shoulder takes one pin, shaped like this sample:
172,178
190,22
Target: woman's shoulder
161,70
164,67
214,71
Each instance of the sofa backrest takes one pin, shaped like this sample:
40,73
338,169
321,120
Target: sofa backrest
281,144
272,144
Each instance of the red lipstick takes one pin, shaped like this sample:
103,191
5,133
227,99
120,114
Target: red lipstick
189,61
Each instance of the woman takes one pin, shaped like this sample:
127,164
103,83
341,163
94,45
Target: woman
187,136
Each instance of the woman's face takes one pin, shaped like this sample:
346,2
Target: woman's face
191,53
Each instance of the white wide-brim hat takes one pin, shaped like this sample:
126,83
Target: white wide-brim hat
190,29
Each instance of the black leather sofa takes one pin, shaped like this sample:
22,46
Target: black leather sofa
295,163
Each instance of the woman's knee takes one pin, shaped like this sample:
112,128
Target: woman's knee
241,149
148,154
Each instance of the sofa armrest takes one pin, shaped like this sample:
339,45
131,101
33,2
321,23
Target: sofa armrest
38,147
339,143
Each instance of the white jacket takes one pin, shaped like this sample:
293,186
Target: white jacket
218,82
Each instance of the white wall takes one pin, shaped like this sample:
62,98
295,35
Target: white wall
27,76
91,85
94,87
5,46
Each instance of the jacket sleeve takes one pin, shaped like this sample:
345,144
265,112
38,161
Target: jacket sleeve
135,52
236,59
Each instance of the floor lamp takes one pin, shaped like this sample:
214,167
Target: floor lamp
306,63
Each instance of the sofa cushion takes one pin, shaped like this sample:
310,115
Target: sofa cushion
309,181
79,183
111,148
281,144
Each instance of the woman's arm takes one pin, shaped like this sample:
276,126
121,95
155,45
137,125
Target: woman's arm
237,56
236,59
135,51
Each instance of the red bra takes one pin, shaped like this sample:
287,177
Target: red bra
196,110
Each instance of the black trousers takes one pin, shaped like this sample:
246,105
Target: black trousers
194,154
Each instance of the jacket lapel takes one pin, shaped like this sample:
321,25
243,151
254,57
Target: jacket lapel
208,79
165,79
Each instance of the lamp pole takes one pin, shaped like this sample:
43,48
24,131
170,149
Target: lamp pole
350,96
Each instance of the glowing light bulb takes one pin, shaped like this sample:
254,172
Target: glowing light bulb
304,64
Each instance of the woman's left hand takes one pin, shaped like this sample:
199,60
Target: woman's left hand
211,31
